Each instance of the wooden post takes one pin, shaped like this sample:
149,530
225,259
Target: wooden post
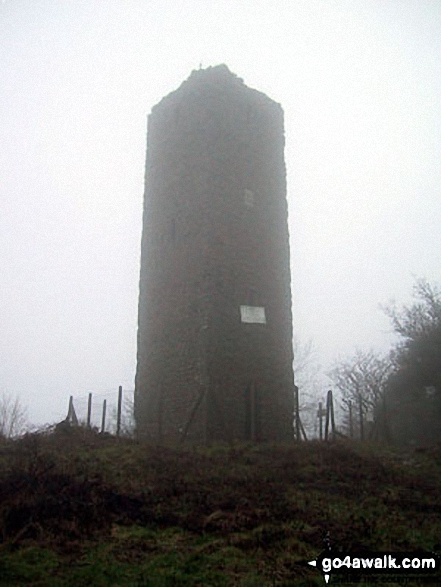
330,415
360,408
302,430
70,409
327,418
118,416
103,420
71,415
89,410
320,415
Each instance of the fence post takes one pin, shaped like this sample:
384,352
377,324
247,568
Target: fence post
302,430
320,415
103,420
70,409
71,415
89,410
118,417
330,415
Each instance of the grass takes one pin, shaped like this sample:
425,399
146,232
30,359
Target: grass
78,508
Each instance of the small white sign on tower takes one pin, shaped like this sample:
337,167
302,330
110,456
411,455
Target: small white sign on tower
252,314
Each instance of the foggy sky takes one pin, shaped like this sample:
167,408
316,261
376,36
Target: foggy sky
360,85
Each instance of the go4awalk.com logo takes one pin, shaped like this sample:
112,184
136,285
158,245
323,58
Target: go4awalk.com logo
400,564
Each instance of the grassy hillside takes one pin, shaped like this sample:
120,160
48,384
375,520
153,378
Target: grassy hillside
80,509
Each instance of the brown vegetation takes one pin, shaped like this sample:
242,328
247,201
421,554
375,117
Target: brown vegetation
263,510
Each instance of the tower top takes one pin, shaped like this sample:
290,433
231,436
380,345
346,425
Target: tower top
216,79
214,73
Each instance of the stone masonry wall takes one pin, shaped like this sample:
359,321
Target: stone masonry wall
215,237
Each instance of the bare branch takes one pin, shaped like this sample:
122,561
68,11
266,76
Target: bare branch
13,416
362,378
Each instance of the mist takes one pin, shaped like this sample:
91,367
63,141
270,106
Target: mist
359,84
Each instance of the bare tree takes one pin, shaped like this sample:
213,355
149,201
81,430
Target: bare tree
362,381
414,390
13,416
422,317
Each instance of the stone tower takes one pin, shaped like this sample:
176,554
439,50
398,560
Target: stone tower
215,326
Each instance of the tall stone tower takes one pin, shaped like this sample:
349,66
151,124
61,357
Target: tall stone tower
215,326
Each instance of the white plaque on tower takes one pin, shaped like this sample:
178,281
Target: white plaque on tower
252,314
